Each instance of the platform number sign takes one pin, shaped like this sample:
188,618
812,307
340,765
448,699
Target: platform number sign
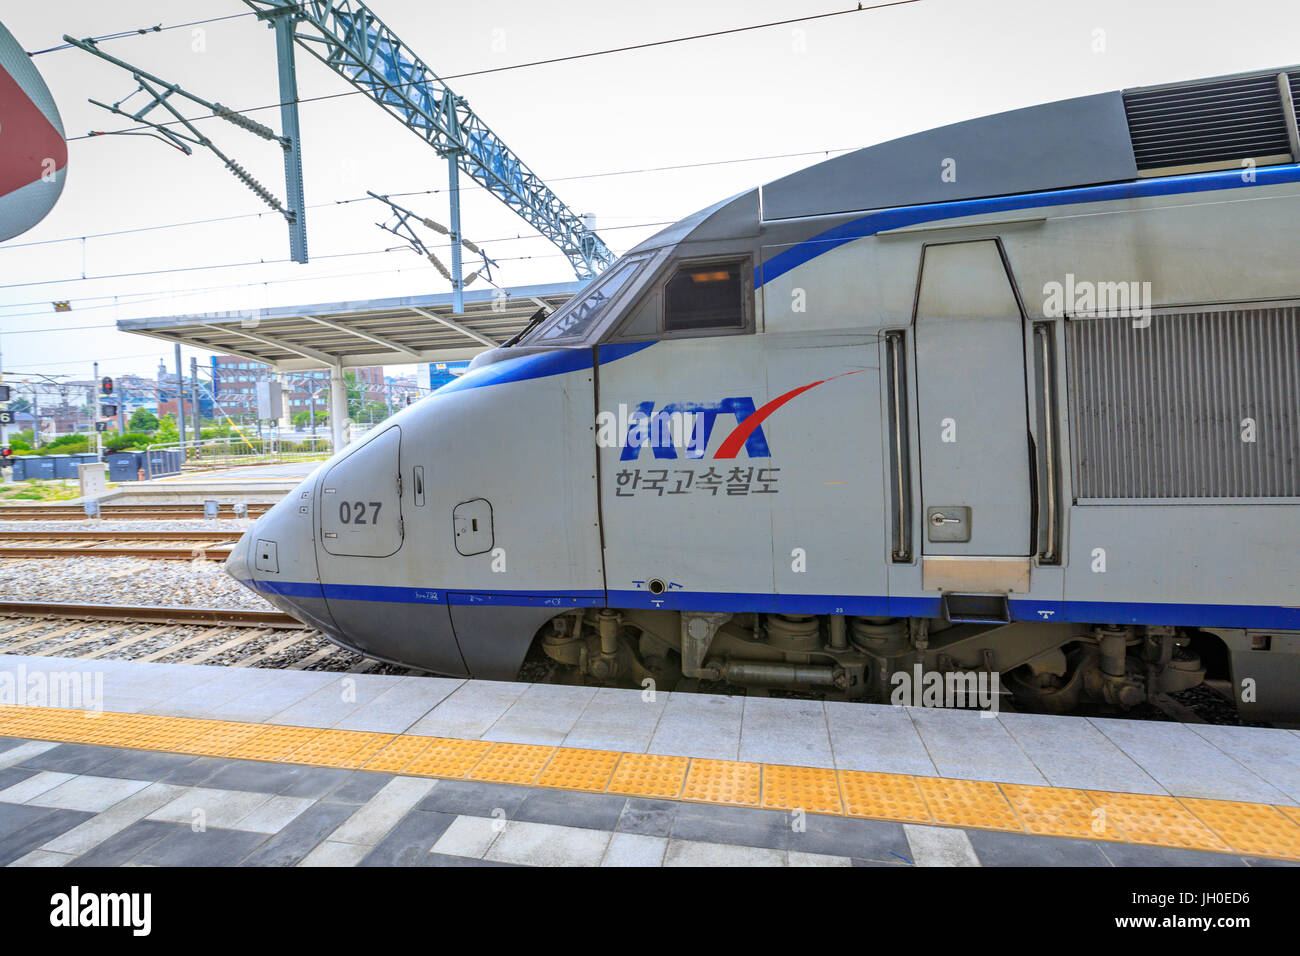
101,426
6,417
355,512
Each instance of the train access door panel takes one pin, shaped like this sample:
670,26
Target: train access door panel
972,415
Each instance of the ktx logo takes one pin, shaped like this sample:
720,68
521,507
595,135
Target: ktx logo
689,426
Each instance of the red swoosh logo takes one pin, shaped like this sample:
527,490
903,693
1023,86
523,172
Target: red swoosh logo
736,440
30,138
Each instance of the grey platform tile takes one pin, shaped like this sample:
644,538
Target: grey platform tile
140,764
274,815
470,710
475,798
444,859
700,725
261,777
214,809
330,853
36,830
964,744
1185,763
34,786
469,836
69,758
1269,753
24,752
264,703
795,858
1022,849
633,849
401,705
357,788
694,853
43,858
204,698
1071,752
214,846
13,775
83,838
127,843
599,811
785,731
542,714
8,743
841,836
617,719
1130,854
876,737
544,844
739,826
291,845
408,843
90,793
939,846
371,821
196,771
1267,861
648,817
335,701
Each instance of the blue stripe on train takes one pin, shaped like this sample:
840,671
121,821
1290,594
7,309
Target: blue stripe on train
1096,612
886,219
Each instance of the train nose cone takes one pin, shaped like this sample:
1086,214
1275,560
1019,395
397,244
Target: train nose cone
237,563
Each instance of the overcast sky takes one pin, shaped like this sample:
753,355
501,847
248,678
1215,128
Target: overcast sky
810,90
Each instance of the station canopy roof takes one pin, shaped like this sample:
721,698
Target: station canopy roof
356,334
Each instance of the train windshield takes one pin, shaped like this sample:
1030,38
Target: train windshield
578,316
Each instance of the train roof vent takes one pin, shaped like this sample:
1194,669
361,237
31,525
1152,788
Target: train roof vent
1214,124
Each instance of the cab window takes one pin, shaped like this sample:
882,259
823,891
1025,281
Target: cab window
578,316
705,296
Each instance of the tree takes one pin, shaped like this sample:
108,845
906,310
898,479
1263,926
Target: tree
356,395
143,420
20,405
167,431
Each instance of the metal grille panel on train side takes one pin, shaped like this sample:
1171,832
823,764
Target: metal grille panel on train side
1161,412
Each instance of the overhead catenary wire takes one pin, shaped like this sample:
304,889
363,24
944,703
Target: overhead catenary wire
860,8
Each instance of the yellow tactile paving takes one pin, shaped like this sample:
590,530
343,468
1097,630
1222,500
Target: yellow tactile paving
1058,811
574,769
275,744
347,749
812,789
1218,825
1251,828
883,796
397,753
512,763
732,782
220,740
649,775
968,803
1163,821
448,757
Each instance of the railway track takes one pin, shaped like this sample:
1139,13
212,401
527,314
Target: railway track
162,545
233,637
161,511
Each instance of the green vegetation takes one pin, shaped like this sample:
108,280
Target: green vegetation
143,420
131,441
167,431
39,491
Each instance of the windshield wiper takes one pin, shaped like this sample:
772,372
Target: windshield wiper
537,317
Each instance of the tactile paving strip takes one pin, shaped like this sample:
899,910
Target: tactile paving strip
1146,818
812,789
731,782
649,775
573,769
883,796
512,763
1219,825
968,803
1058,811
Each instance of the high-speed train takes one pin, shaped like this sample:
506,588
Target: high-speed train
1018,396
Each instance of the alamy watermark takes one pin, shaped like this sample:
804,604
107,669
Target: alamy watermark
1083,298
36,687
922,688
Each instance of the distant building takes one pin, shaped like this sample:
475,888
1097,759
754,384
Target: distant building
235,383
438,374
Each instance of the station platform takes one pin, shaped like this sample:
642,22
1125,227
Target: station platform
175,764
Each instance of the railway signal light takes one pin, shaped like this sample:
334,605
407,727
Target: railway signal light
4,393
108,411
106,383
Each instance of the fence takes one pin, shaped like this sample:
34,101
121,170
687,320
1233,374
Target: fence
236,451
